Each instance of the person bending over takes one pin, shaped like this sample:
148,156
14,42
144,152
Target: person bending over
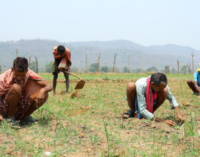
147,95
195,84
62,58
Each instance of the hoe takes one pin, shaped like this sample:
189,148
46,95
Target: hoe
79,84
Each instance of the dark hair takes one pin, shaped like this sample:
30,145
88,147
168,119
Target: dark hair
20,64
158,78
61,49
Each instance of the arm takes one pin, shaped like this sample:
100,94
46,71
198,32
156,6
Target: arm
68,56
196,86
179,116
141,90
69,69
40,99
195,76
46,87
56,56
168,122
174,105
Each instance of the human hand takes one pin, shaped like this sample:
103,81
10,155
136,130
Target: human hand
170,122
61,68
157,119
180,119
40,99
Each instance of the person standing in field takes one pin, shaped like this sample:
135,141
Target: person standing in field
195,84
147,95
22,91
62,63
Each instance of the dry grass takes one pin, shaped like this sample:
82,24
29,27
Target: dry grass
92,125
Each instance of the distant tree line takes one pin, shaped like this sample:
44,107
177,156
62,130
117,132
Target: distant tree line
94,68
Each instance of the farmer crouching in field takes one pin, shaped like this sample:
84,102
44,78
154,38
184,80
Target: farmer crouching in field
147,95
22,91
62,58
195,85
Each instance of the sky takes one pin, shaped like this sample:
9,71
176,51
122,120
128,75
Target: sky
145,22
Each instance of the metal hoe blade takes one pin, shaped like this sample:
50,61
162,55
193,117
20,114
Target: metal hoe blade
80,84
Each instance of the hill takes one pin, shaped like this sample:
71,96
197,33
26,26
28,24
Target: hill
139,56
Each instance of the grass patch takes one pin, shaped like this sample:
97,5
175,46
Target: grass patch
91,124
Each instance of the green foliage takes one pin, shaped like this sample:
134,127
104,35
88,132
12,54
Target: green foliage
0,69
125,70
173,71
138,70
32,66
116,70
48,67
166,69
74,69
92,122
152,69
104,69
184,69
93,67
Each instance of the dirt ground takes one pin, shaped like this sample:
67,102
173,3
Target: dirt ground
92,124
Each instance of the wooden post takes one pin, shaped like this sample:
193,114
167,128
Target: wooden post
143,63
29,61
114,63
99,61
128,64
16,53
36,65
86,65
189,69
169,69
192,62
178,66
156,63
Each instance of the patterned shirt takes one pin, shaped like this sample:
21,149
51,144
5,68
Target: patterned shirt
141,86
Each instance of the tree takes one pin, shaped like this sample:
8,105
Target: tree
174,71
114,63
125,70
36,64
138,70
86,70
166,69
152,69
0,69
104,69
32,66
99,62
93,67
184,69
48,67
116,70
74,69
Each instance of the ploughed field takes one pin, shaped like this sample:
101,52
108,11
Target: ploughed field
91,124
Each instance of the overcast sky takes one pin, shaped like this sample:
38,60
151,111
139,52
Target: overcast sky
146,22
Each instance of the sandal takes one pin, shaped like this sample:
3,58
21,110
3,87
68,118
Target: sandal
128,114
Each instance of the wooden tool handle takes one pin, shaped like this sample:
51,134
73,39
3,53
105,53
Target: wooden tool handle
73,75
